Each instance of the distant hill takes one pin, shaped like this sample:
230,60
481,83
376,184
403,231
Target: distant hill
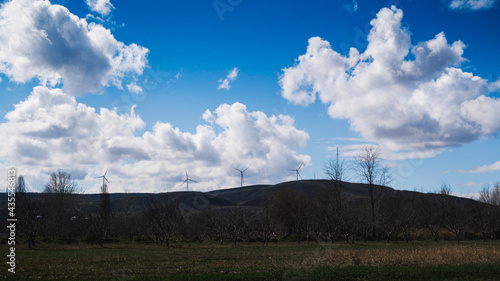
246,196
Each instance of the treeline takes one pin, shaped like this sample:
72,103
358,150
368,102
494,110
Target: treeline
329,214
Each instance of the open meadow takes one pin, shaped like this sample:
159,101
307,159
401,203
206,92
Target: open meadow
469,260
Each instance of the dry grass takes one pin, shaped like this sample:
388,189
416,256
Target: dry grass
429,255
81,261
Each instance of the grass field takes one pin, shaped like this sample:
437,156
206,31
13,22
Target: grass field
285,261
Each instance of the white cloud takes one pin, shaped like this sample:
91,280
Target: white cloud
224,83
50,130
471,4
425,103
472,183
495,167
102,7
47,42
134,88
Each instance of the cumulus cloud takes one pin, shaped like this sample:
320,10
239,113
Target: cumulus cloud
400,96
102,7
495,167
224,83
50,130
134,88
471,4
47,42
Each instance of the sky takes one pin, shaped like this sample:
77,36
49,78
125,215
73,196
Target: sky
150,91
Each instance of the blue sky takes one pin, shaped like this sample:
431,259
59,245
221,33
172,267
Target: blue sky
135,87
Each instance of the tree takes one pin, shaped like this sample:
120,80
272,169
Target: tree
267,225
100,221
199,225
445,189
371,170
398,215
220,224
28,212
61,183
59,203
236,222
21,186
487,214
490,196
291,208
330,198
428,214
163,218
454,213
336,170
484,219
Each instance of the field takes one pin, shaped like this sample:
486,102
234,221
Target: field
285,261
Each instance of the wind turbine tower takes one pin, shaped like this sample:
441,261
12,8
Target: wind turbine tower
297,171
187,180
104,188
241,172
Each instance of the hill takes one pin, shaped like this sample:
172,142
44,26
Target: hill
246,196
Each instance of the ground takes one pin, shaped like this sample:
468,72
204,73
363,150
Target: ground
470,260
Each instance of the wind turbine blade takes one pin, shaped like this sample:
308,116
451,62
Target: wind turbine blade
106,180
237,170
246,168
105,172
192,180
299,175
98,177
300,165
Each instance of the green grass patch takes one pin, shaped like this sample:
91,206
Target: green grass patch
285,261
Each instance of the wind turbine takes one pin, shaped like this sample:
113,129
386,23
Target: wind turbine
187,180
104,189
241,172
297,170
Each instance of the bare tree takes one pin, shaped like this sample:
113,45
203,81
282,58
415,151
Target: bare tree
454,212
291,208
100,220
163,217
28,213
486,214
199,225
59,203
105,211
409,216
428,215
267,225
490,195
336,170
61,183
390,219
21,186
236,223
220,226
372,171
445,189
330,198
484,219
